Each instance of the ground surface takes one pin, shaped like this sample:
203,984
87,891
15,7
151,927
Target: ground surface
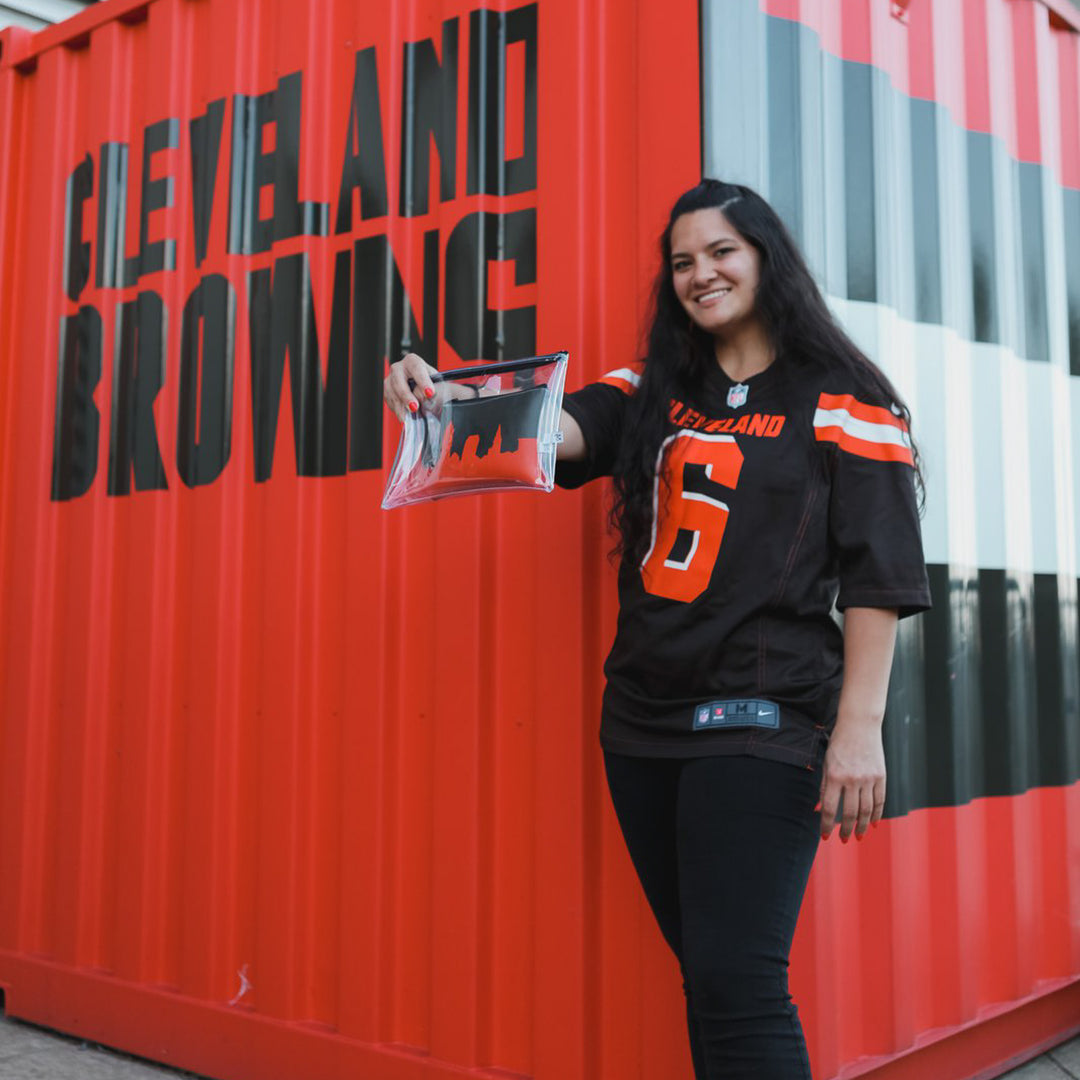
31,1053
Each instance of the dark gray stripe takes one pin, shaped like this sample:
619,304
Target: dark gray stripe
859,181
983,236
1056,729
994,675
1071,199
954,736
1036,345
785,123
925,211
905,731
1007,643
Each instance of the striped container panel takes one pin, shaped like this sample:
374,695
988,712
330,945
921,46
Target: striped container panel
927,157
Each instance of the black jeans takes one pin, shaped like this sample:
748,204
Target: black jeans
723,847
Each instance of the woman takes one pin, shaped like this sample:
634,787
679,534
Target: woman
763,471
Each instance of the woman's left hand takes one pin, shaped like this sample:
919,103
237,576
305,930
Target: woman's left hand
855,759
854,769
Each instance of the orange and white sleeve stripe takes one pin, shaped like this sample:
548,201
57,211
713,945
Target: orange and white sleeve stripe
626,379
866,430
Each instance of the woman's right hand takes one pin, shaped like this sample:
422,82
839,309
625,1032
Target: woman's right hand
402,398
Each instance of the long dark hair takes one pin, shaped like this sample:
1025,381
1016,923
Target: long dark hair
680,354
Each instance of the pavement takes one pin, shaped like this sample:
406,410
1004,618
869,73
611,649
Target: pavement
1061,1063
33,1053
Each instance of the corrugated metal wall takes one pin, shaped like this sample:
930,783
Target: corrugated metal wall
930,166
292,787
289,786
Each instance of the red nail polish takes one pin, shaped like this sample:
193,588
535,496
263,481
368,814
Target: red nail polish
429,392
413,406
844,839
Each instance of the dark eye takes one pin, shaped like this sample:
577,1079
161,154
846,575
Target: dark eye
679,266
720,252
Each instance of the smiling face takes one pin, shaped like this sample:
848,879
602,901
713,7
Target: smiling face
714,271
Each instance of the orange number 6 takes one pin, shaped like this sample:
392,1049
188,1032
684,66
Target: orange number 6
686,536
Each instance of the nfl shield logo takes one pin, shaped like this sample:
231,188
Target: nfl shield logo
736,396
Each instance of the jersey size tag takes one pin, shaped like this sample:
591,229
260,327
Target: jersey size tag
745,712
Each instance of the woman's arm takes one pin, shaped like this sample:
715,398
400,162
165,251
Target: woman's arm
855,759
403,399
572,447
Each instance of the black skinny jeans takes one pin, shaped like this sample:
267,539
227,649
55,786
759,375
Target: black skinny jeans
723,847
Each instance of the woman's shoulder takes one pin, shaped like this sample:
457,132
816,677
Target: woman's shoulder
626,378
830,379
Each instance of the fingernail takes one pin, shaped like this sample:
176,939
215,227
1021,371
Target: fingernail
429,392
413,406
817,809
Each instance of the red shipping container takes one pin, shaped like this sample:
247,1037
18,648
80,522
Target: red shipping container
291,787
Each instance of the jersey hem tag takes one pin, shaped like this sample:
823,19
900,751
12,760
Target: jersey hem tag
738,712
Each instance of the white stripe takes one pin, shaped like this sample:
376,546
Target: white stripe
861,429
675,564
631,377
1019,492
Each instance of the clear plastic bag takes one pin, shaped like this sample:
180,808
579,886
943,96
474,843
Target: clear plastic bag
492,427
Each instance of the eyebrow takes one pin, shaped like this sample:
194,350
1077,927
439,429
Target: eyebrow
711,244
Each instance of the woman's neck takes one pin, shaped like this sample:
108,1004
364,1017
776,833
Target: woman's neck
745,353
